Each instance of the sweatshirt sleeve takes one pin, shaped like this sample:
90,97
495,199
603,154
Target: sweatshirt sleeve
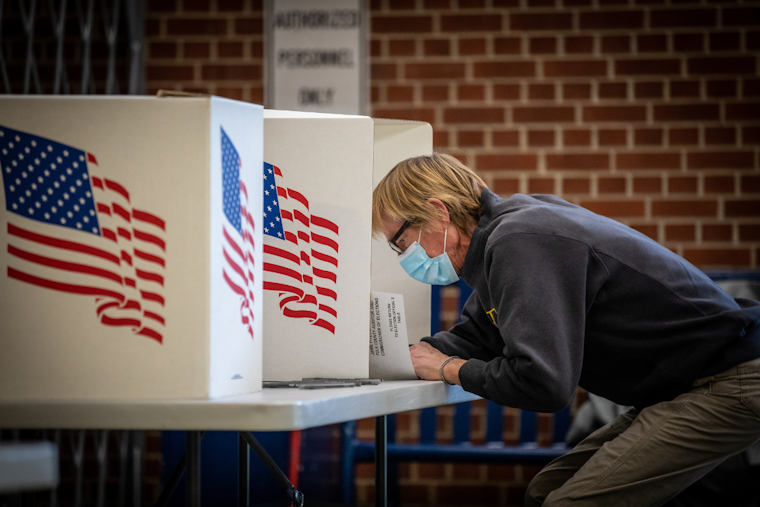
537,284
466,338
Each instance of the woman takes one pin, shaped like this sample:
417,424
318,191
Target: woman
563,297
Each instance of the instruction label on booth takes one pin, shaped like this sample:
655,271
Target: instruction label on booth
389,357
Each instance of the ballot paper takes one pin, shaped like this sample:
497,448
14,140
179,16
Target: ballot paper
389,357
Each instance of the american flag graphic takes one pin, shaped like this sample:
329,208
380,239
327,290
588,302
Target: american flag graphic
301,258
238,229
74,231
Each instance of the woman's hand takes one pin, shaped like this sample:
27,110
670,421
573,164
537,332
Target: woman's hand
427,362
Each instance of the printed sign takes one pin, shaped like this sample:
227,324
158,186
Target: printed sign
317,56
389,357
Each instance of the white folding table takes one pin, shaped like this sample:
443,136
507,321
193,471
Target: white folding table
270,410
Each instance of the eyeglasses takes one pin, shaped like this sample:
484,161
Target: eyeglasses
392,242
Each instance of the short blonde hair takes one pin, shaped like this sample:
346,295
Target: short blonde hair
403,193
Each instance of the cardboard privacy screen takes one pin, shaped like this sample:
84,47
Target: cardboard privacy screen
130,248
318,185
318,247
397,140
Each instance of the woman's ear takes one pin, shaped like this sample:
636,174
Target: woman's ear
438,205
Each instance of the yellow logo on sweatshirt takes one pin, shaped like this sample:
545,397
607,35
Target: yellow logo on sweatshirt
492,313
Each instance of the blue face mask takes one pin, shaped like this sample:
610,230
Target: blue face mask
437,271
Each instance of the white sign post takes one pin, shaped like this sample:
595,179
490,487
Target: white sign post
316,56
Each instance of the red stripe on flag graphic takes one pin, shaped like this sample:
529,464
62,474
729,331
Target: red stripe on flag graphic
298,197
122,212
282,270
300,253
111,321
326,325
109,234
149,257
235,268
325,258
324,240
152,296
154,316
66,266
325,274
279,252
62,243
321,222
112,185
149,218
63,287
150,277
145,331
283,288
150,238
232,243
235,288
327,293
239,260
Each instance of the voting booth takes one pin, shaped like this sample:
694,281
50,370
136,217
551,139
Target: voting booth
397,140
130,247
320,261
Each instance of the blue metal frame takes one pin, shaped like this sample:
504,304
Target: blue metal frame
720,276
219,484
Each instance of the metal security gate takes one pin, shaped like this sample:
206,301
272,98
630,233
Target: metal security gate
82,482
77,47
72,46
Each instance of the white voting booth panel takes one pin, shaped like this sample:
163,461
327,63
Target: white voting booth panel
397,140
318,193
130,248
318,247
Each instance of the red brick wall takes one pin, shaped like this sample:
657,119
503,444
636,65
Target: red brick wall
647,111
206,46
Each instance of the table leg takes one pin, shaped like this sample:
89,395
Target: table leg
193,468
171,484
138,443
381,461
296,497
244,476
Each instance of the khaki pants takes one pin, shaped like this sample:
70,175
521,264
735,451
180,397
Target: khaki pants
645,458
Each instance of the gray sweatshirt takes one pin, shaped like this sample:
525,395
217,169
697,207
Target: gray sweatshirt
564,297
